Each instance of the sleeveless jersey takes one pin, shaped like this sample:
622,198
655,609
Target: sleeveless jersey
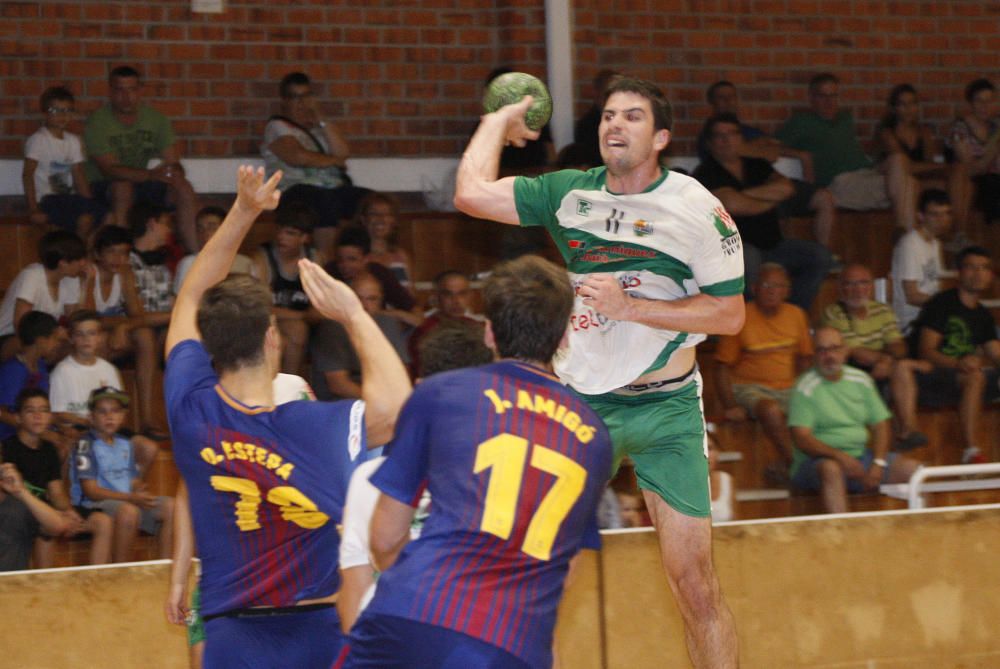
266,486
671,241
114,305
288,293
515,464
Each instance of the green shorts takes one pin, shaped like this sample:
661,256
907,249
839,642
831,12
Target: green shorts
195,624
664,435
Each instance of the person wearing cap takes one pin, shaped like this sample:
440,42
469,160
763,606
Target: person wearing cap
104,478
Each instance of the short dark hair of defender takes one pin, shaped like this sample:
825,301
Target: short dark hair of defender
978,251
111,235
453,345
716,120
355,236
59,245
663,113
233,317
124,72
140,214
81,316
932,196
528,302
820,79
34,325
292,79
27,394
976,86
55,94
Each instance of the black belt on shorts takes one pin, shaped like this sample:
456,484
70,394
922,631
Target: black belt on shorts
637,387
269,611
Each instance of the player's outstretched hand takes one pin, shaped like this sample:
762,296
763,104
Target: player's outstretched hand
253,193
517,132
605,295
334,299
175,606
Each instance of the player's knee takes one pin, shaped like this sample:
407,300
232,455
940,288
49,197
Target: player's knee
697,588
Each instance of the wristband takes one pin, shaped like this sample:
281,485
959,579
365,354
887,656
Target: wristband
880,462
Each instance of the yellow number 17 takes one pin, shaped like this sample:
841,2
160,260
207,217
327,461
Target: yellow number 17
505,455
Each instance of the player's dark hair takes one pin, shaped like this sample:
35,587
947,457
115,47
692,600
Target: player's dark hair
233,317
355,236
81,316
727,117
453,345
710,93
976,86
931,196
34,325
124,72
528,302
663,113
60,245
296,215
111,235
55,94
292,79
140,214
28,394
978,251
820,79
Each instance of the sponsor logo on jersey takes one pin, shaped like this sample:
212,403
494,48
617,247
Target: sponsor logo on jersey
576,244
724,223
583,207
642,228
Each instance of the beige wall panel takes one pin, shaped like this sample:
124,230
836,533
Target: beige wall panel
579,637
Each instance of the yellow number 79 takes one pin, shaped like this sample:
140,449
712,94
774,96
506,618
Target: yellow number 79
293,505
506,455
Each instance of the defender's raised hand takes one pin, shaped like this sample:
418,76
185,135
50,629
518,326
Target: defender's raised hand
255,194
334,299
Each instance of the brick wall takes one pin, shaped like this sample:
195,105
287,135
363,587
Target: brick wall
405,75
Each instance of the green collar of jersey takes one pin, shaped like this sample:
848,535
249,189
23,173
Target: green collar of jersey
665,172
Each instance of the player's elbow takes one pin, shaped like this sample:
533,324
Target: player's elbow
731,316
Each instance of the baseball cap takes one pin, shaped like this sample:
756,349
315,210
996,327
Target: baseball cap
107,392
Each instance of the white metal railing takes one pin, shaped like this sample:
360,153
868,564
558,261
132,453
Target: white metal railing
913,491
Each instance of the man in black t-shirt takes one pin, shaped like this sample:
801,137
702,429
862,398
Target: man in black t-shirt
752,192
958,336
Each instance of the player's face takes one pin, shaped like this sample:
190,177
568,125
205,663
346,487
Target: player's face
976,274
936,219
107,416
855,287
824,100
453,296
350,261
628,138
724,100
124,95
113,258
380,220
830,353
86,338
726,142
35,416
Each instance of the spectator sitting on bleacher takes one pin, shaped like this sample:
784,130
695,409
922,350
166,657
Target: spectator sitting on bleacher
958,335
758,366
378,213
276,264
55,185
206,223
585,128
755,195
105,477
21,515
312,156
352,257
451,296
916,259
121,139
41,338
900,133
840,427
151,233
40,464
827,131
336,369
876,346
51,286
974,140
114,295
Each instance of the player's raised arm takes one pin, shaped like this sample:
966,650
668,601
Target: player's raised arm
385,385
211,265
478,191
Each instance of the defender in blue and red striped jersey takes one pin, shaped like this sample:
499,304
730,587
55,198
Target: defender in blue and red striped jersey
266,484
515,463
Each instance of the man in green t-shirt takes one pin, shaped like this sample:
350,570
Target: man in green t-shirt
841,428
656,263
122,138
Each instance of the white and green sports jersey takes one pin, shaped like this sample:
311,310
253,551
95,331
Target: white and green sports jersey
671,241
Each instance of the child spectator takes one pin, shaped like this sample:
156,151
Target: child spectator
82,370
378,213
41,467
917,263
40,337
105,477
974,142
152,230
21,513
55,184
206,222
51,286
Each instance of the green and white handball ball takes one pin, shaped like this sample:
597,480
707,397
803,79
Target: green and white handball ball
512,87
